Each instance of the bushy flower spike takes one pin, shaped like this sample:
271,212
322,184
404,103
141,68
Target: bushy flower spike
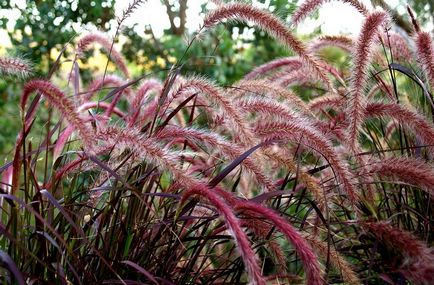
136,104
399,46
263,87
214,94
271,108
343,42
407,170
283,158
85,42
384,89
287,62
293,130
425,53
308,258
15,66
216,141
272,25
336,259
234,226
69,130
417,260
326,102
361,57
147,148
298,77
63,105
100,105
412,120
308,6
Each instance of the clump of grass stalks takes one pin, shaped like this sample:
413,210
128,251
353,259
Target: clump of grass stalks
139,181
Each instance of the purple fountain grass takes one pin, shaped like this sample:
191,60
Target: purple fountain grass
136,104
263,87
69,130
66,108
385,89
15,66
234,226
282,158
343,42
424,48
326,102
399,46
230,149
262,229
287,62
333,129
309,6
362,54
408,170
258,212
413,121
425,53
215,94
85,42
308,258
146,148
417,263
101,105
293,130
297,77
272,25
272,109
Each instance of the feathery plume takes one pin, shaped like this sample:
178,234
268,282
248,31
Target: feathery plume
231,149
326,101
62,104
147,87
85,42
272,25
399,46
293,129
415,258
425,53
363,51
263,87
413,19
296,77
412,120
310,261
407,170
103,105
287,62
197,84
342,42
309,6
15,66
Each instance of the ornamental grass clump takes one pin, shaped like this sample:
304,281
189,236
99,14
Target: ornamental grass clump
304,171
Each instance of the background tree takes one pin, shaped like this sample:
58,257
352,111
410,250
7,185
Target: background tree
45,25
